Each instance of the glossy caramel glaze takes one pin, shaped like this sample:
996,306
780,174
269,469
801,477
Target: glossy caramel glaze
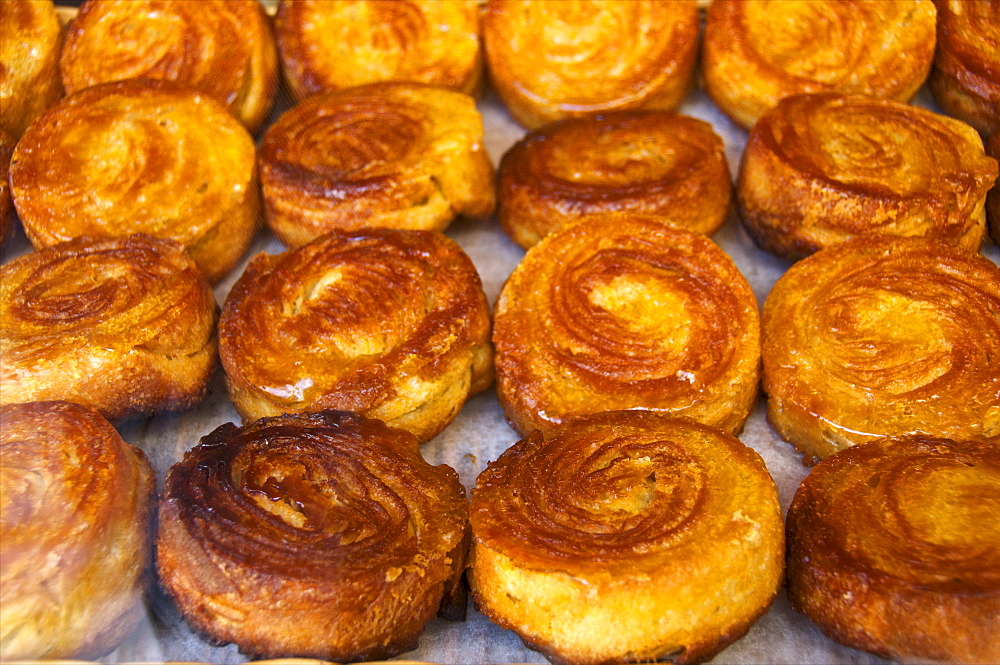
883,336
124,326
757,52
321,535
6,203
626,536
823,168
390,324
76,524
30,42
993,198
623,313
553,59
894,548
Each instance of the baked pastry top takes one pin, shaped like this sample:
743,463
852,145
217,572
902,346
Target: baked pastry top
30,41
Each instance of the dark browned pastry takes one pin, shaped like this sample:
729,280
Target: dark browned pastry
894,548
626,536
823,168
993,198
76,525
652,162
30,40
126,326
6,204
323,535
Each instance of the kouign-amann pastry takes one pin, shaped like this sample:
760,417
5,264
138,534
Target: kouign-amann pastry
323,535
757,52
140,156
390,324
894,548
30,40
626,536
626,313
397,155
75,532
6,203
125,326
823,168
653,162
327,46
883,336
550,59
223,48
993,198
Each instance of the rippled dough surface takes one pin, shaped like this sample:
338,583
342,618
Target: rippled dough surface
30,42
894,547
626,536
76,506
757,52
883,336
823,168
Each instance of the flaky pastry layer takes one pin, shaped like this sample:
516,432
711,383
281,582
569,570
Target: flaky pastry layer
30,43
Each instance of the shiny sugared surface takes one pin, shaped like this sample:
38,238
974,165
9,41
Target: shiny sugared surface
30,43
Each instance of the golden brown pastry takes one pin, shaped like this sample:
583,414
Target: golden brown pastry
993,198
823,168
396,155
757,52
883,336
125,326
140,156
550,59
387,323
30,40
323,535
894,548
653,162
6,204
965,79
327,46
223,48
75,532
626,536
626,313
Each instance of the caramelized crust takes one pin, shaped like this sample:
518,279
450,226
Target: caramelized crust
390,324
823,168
6,203
396,155
75,532
626,536
30,40
894,548
123,326
222,48
653,162
993,198
327,46
883,336
550,59
322,535
757,52
623,313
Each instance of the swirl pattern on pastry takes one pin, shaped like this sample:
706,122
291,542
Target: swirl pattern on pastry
894,548
123,326
883,336
30,42
75,532
823,168
628,520
624,313
140,156
554,59
323,535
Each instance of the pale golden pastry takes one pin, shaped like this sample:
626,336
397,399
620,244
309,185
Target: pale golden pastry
223,48
626,313
894,548
652,162
327,46
76,525
396,155
626,536
140,156
757,52
822,168
550,59
993,198
125,326
387,323
30,40
883,336
323,535
6,204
